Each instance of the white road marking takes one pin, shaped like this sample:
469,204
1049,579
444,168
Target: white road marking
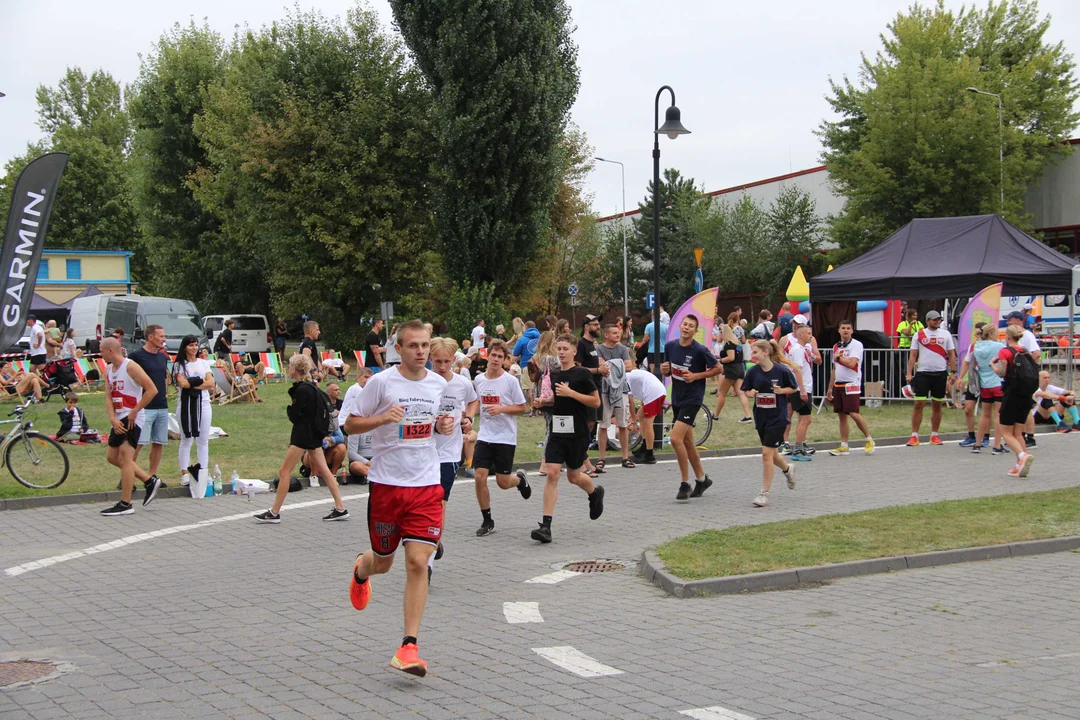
1044,658
575,661
519,613
714,713
552,578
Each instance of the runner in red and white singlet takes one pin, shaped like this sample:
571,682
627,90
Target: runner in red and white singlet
129,390
934,353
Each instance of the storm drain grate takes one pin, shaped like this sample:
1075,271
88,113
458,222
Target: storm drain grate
594,566
21,671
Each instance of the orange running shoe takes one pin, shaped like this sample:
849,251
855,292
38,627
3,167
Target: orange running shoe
359,593
913,441
407,659
935,440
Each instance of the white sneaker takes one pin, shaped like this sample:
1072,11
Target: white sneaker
762,499
185,480
790,475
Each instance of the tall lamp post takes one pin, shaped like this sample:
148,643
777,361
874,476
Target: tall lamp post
622,231
1001,144
673,128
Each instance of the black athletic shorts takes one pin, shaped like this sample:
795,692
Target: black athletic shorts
685,413
929,385
569,449
1015,408
131,437
970,396
771,437
797,404
735,370
494,457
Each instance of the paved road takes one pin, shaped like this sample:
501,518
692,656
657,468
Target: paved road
230,619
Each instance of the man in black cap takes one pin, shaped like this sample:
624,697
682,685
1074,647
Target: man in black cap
934,352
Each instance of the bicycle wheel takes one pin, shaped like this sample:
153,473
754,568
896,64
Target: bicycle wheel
36,460
703,426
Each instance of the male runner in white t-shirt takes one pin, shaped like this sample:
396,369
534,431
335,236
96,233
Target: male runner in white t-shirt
501,400
934,351
399,407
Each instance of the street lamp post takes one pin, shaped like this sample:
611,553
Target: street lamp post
622,231
1001,144
673,128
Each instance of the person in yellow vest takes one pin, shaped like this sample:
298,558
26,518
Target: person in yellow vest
908,327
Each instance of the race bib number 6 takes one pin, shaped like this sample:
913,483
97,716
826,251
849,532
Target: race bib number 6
562,424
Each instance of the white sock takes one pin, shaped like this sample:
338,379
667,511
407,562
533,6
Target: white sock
843,444
431,560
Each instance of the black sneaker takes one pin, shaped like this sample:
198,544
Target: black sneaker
700,486
596,502
269,517
335,514
684,492
541,534
1030,441
486,528
439,551
649,459
152,486
428,574
305,471
120,508
523,485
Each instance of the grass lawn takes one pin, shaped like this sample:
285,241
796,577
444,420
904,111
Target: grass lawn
874,533
259,433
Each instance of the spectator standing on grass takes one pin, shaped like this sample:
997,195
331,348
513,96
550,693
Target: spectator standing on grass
310,349
613,401
37,344
375,353
193,378
52,339
393,357
281,338
68,350
478,334
523,352
154,361
845,388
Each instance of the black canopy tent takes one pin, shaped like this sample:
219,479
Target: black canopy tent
945,258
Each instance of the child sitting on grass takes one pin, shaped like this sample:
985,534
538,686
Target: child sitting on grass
72,419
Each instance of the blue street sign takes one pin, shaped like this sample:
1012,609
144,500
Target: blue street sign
650,300
572,289
699,280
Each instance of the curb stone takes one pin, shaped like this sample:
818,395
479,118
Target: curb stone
653,568
37,501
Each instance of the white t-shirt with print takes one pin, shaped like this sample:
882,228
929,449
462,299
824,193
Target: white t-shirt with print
798,354
403,454
934,347
854,349
459,393
503,390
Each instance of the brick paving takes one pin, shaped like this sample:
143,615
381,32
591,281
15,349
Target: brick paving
235,620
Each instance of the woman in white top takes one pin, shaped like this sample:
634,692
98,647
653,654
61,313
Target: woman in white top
194,378
67,348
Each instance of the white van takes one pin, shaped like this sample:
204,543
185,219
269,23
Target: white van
251,333
97,316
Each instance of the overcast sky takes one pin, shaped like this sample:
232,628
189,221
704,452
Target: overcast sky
750,78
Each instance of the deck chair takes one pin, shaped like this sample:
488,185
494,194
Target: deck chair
80,372
272,366
359,355
232,388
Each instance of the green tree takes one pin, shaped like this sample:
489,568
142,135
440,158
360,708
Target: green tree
912,141
190,256
681,225
503,77
85,117
314,139
466,303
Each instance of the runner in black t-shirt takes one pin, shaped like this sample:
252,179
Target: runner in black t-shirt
568,441
689,364
768,385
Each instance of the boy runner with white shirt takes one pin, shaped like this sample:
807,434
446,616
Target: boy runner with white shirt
845,387
801,352
935,352
459,401
400,408
500,400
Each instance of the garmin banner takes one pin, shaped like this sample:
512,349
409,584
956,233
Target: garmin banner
24,240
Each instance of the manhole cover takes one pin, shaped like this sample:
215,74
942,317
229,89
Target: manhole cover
24,671
594,566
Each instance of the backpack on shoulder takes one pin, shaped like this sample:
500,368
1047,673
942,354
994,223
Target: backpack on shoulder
1023,371
324,421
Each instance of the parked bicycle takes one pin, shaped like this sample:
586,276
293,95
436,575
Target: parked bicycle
702,429
33,458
